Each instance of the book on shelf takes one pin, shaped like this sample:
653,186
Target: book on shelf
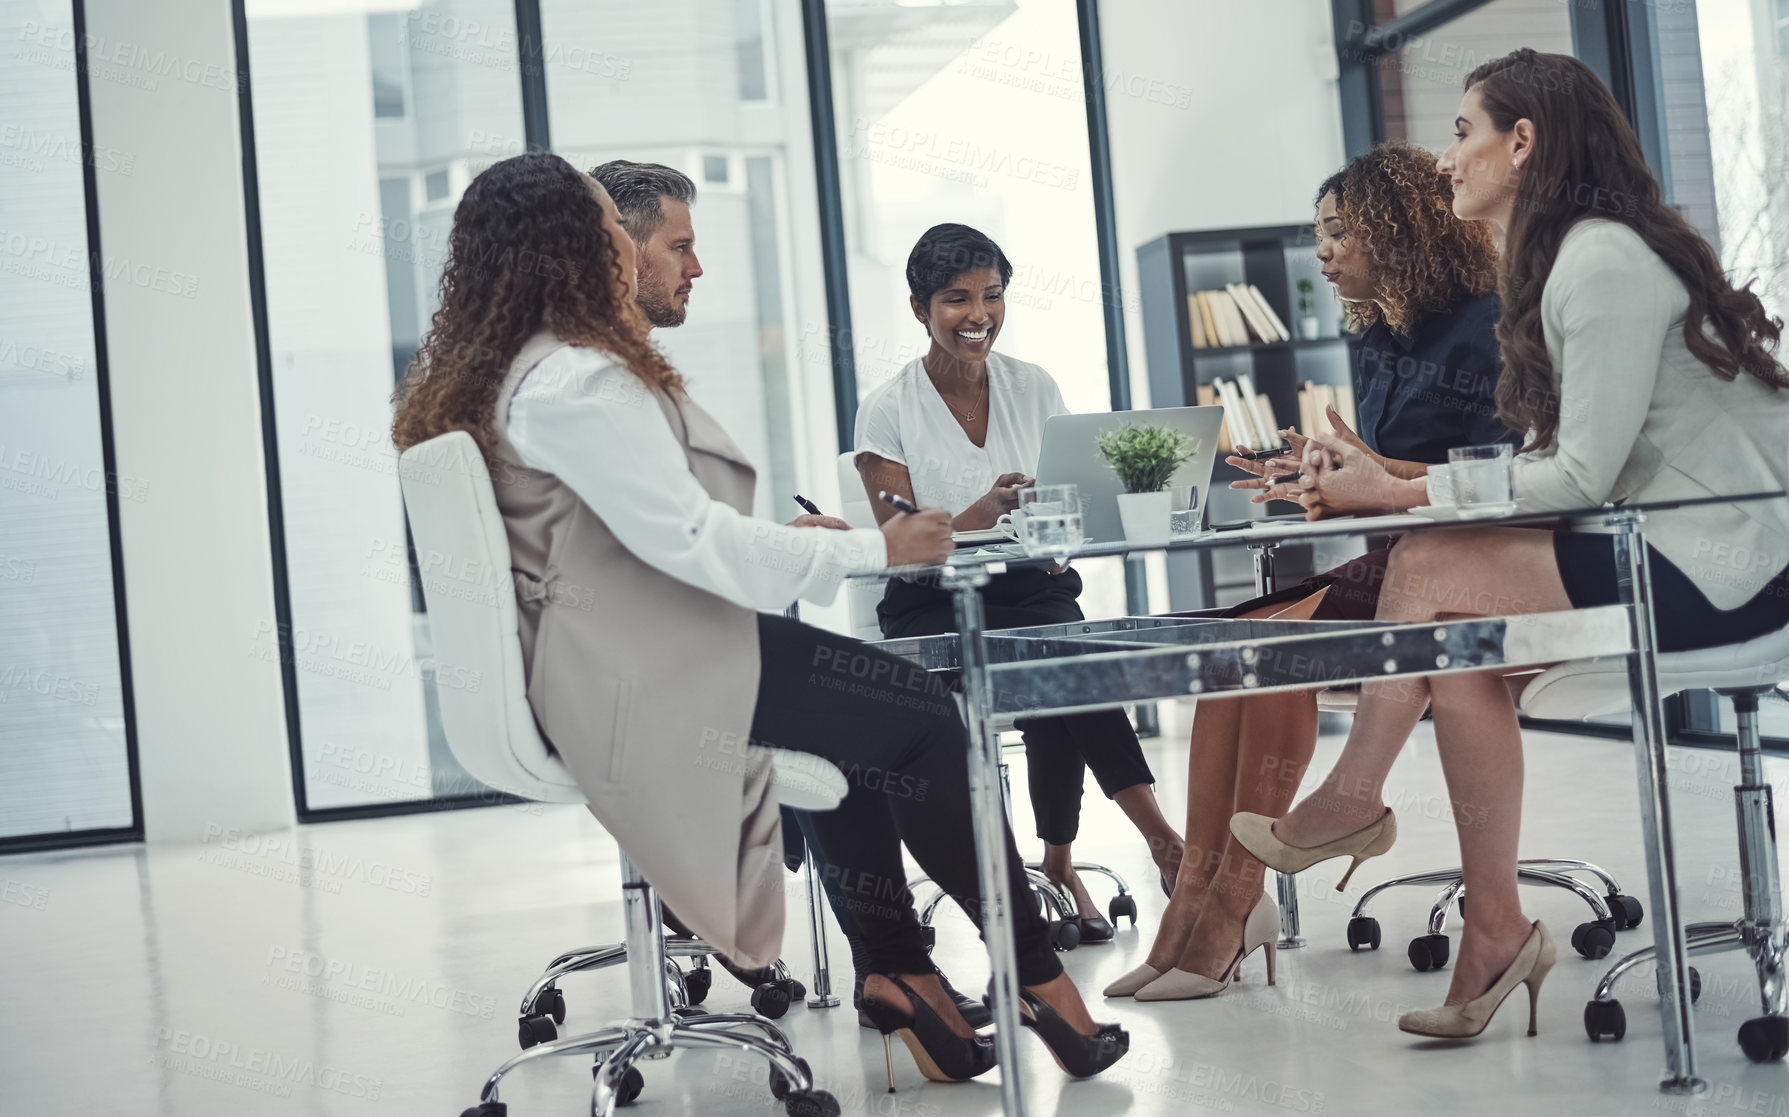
1314,400
1211,326
1206,396
1251,312
1267,309
1196,323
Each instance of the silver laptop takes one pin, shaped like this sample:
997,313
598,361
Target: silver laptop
1070,455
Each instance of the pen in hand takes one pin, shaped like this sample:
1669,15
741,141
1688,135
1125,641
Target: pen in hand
901,503
808,505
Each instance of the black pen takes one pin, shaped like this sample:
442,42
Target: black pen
808,504
1287,479
901,503
1263,455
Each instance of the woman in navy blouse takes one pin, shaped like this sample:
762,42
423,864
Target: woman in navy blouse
1421,286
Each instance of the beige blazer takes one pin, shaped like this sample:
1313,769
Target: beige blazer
1641,419
645,686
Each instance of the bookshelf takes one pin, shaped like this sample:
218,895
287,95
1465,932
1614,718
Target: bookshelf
1273,258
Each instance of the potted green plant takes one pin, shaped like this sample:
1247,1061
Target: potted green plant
1145,458
1307,310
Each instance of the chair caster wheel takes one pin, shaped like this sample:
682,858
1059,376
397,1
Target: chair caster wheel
1065,934
1593,940
632,1082
1695,985
1363,930
696,984
534,1029
770,1000
779,1084
1765,1039
1428,952
797,991
487,1109
1121,906
551,1002
1604,1018
1625,911
930,935
814,1103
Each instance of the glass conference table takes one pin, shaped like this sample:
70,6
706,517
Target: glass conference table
1086,665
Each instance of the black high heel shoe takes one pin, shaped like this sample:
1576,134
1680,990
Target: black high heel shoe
942,1055
1082,1056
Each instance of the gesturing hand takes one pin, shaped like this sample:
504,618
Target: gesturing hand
915,538
1343,476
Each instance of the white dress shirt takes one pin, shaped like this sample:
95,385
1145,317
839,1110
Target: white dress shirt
583,417
907,422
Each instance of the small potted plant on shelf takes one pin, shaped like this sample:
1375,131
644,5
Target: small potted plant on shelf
1145,458
1307,310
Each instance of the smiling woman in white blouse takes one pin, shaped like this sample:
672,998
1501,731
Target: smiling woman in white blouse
961,429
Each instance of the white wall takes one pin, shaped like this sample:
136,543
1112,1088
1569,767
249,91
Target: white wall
187,420
1221,114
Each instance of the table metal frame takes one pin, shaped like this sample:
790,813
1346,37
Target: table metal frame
1055,669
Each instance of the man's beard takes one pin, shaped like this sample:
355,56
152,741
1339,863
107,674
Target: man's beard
661,309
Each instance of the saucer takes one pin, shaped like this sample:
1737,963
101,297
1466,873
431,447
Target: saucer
1448,513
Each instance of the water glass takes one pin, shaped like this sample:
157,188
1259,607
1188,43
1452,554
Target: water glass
1184,512
1480,474
1052,521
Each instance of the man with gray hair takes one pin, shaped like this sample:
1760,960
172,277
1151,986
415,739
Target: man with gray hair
654,202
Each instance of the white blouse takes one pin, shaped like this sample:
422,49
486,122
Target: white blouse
908,422
583,417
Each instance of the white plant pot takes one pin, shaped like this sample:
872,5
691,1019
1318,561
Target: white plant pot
1145,516
1308,328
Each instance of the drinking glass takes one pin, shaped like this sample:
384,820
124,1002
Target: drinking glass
1184,512
1480,475
1052,523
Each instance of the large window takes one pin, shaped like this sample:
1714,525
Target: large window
64,755
370,118
704,91
973,112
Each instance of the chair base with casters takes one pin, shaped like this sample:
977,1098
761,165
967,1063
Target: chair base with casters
543,1005
1054,902
655,1030
1612,910
1761,931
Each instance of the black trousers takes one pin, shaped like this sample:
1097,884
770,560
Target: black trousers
1058,750
894,731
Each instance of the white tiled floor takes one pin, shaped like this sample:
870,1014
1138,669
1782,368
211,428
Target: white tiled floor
374,967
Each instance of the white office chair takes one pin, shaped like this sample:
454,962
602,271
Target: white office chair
861,599
1742,673
491,731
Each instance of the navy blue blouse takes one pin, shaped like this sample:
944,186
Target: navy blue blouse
1419,396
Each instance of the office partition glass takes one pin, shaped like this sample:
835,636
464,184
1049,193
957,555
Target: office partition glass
370,118
1420,81
717,90
975,113
64,759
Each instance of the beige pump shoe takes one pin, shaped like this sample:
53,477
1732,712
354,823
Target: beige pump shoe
1133,981
1465,1021
1255,832
1261,931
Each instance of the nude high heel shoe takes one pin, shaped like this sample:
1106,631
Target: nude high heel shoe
1465,1021
1255,832
1261,931
1133,981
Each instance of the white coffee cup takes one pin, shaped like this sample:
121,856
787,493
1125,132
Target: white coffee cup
1012,525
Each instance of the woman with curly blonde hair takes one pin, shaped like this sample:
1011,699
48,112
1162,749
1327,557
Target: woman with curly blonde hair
1420,285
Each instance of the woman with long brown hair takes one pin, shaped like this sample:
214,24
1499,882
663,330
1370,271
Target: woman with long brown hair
1641,373
663,689
1419,286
